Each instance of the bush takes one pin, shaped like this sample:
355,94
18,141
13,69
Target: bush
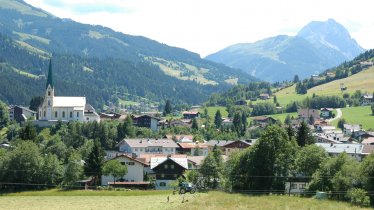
358,197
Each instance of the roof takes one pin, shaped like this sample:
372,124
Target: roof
181,138
146,116
243,141
327,109
69,102
88,108
219,143
340,148
126,156
368,141
22,107
367,149
50,76
197,160
128,183
190,113
156,161
149,143
146,158
352,127
192,145
262,118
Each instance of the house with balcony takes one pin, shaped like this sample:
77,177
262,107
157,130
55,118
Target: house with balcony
147,146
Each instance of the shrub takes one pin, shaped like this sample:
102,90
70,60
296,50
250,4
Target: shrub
358,197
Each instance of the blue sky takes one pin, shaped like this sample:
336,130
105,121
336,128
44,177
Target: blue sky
206,26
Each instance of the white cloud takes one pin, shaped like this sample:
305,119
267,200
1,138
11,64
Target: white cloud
206,26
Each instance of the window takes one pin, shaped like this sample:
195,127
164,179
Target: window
302,186
56,114
130,163
88,119
49,103
71,114
136,150
175,176
63,114
293,186
162,175
172,166
77,114
166,166
162,184
44,114
49,93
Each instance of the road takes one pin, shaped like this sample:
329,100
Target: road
339,114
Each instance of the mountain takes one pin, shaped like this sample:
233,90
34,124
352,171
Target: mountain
89,57
318,46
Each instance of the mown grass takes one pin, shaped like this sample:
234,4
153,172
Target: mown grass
210,200
358,115
58,192
363,81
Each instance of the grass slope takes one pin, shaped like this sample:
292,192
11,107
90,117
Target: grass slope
363,81
358,115
213,109
158,200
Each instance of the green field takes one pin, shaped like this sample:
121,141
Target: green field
358,115
363,81
283,116
213,109
158,200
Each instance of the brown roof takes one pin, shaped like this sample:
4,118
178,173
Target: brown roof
126,156
146,158
192,145
369,140
190,112
219,143
367,149
197,160
262,118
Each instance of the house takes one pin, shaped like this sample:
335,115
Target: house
353,150
264,96
21,114
367,149
146,121
135,171
326,113
349,129
147,146
227,123
241,102
367,99
305,114
195,149
167,170
218,143
180,123
194,162
180,138
190,115
56,108
110,116
238,145
263,120
319,123
328,138
361,135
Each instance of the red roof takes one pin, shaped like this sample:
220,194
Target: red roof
192,145
191,113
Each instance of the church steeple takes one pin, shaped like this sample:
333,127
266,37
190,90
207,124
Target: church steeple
50,78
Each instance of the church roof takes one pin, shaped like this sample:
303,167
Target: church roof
50,78
69,102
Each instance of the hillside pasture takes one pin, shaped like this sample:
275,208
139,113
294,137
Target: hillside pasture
363,81
358,115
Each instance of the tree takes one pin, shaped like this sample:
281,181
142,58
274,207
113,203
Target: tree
94,163
168,108
287,120
218,119
296,79
115,169
28,132
341,123
73,169
367,170
4,115
211,168
304,136
275,99
311,119
309,159
36,102
195,125
269,159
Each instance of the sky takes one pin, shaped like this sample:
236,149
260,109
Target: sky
207,26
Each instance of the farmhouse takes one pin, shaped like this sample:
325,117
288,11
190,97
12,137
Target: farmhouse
190,115
263,120
146,121
21,114
238,145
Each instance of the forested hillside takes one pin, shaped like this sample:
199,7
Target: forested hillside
98,62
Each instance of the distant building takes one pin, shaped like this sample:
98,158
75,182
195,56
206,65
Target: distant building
198,149
326,112
241,102
147,146
238,145
367,99
190,115
263,120
168,169
21,114
353,150
56,108
264,96
349,129
147,121
304,114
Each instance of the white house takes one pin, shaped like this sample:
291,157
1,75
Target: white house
147,146
349,129
56,108
135,170
353,150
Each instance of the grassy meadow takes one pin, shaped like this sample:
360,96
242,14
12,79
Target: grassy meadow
213,109
59,200
363,81
358,115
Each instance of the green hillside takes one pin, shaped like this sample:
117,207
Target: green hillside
363,81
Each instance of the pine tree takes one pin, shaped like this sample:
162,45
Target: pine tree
94,163
304,136
194,125
218,119
168,108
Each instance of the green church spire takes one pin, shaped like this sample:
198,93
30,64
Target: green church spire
49,79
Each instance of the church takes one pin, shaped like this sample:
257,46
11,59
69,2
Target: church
66,109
